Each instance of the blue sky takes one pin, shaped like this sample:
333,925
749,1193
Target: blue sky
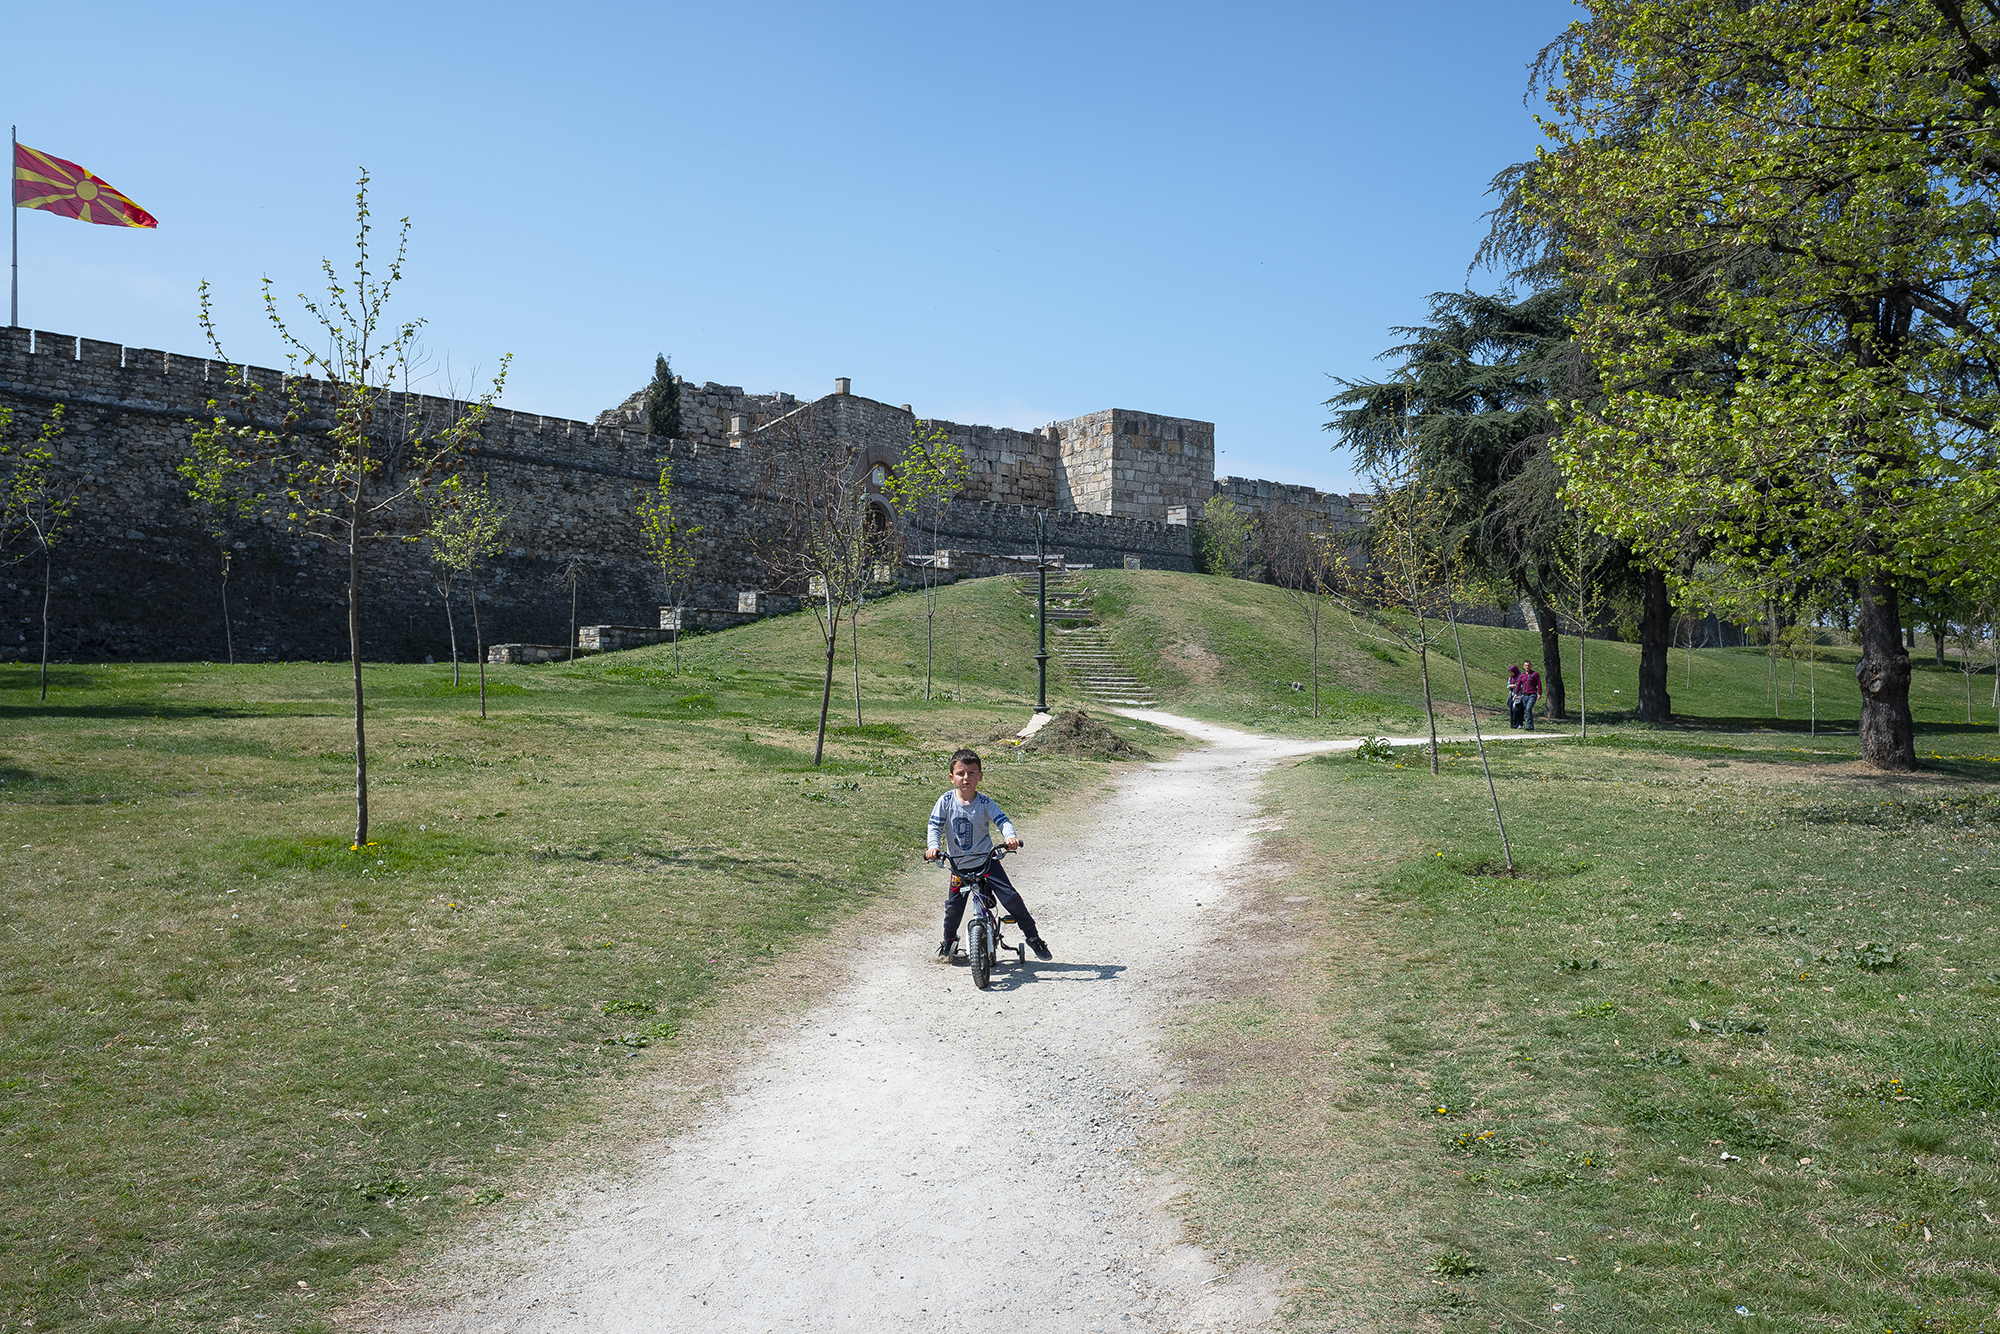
1006,214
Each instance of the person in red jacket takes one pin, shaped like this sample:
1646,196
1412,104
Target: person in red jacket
1528,689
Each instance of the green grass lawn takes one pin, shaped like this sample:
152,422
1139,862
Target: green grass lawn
239,1061
1229,650
1722,1055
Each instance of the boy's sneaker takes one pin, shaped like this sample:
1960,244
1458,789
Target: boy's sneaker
1041,949
944,952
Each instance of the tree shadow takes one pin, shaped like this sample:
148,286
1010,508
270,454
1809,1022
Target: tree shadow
1012,976
148,710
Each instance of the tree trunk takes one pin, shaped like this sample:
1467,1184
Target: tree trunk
478,645
826,688
572,616
1937,642
1315,617
48,567
930,598
1888,733
228,635
1430,714
354,656
451,627
854,647
1506,847
1555,699
1655,625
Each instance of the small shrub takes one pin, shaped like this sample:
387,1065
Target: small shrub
1375,748
382,1188
1456,1264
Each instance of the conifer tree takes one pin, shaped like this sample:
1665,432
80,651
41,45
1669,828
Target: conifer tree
663,402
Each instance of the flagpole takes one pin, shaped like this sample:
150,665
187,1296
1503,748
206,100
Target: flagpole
14,215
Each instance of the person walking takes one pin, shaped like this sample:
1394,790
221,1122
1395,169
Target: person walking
1528,687
1514,696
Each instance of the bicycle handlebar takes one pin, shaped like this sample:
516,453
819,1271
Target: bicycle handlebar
976,859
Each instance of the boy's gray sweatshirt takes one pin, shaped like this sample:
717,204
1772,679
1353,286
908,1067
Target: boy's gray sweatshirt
964,826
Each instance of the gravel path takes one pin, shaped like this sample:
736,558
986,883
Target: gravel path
920,1155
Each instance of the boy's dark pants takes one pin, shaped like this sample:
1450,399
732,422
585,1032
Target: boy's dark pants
1003,889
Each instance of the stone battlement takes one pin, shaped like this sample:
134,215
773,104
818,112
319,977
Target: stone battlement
140,575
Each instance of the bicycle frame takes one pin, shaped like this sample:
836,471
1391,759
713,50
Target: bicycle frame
969,877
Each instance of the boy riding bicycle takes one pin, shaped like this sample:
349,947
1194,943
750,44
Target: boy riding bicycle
961,821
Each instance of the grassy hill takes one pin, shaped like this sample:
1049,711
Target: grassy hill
1229,650
240,1060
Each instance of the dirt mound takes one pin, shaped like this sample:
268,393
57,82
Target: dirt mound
1077,733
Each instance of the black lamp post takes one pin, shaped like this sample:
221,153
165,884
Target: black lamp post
1042,644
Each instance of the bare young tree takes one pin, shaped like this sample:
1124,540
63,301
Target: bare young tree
1396,593
37,506
820,544
1576,587
1304,556
570,570
345,454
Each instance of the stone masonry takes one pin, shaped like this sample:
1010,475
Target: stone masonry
138,575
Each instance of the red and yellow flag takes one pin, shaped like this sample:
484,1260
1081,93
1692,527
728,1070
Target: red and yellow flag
67,190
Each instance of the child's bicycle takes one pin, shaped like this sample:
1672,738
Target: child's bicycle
984,938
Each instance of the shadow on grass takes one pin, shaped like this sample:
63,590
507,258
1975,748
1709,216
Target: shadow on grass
148,709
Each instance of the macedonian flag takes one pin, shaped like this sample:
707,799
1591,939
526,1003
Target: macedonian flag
63,188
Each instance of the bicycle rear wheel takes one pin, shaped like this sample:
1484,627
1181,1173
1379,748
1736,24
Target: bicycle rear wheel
979,951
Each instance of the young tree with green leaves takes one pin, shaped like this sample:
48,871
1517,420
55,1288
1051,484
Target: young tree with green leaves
216,479
463,529
1803,191
346,454
663,401
1222,537
38,505
922,484
670,546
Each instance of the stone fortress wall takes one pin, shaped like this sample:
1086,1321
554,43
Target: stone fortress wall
138,574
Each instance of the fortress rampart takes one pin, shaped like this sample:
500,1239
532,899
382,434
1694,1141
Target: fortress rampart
138,575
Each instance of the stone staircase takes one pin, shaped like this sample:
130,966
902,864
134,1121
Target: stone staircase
1084,647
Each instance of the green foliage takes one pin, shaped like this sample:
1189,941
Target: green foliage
217,478
663,401
930,471
1222,538
669,544
334,484
36,505
1779,219
463,525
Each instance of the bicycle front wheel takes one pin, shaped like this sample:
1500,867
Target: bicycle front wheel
979,951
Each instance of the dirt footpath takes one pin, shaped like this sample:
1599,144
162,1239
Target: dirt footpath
920,1155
